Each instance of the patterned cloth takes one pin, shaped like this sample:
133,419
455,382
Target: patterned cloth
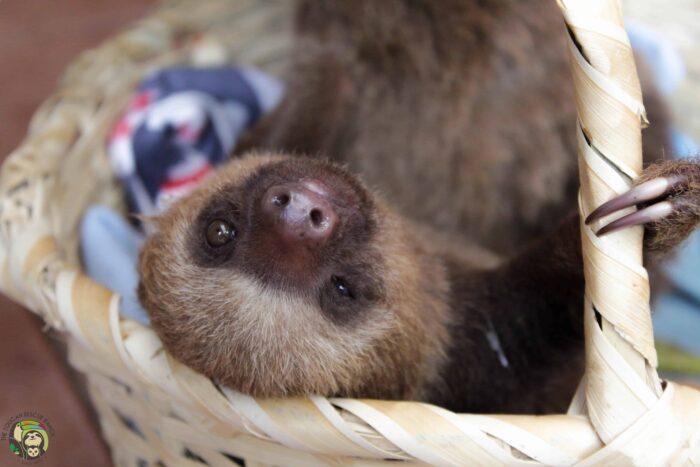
180,125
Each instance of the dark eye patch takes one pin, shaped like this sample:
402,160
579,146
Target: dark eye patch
216,231
348,294
342,287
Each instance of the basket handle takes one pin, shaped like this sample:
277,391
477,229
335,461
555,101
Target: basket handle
621,381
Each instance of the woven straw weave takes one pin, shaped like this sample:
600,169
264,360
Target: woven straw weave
155,411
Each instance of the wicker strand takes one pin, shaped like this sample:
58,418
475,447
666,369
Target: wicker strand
610,110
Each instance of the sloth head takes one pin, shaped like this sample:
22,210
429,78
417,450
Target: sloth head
32,438
286,276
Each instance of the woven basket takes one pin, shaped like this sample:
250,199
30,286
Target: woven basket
155,411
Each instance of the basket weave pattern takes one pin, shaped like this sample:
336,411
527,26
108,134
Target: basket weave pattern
154,409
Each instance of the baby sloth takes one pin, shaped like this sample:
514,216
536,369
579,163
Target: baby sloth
287,276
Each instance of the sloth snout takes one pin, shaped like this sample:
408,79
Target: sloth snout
299,212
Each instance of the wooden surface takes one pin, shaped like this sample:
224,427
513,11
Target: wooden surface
37,40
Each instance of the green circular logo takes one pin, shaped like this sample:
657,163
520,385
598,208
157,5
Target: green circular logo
29,439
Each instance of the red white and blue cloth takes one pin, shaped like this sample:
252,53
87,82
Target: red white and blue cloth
181,123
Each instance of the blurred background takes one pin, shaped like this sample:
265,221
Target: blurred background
37,41
668,35
677,22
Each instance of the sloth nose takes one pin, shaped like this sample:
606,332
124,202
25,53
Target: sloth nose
300,212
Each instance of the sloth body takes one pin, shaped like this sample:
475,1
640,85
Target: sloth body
460,112
285,275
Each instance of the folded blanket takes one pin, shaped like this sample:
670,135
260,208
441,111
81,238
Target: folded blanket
181,123
110,250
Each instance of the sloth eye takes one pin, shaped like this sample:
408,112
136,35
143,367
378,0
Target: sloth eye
342,287
219,233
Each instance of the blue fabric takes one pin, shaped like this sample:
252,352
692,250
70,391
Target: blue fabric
226,83
677,321
180,125
110,249
677,310
666,63
683,145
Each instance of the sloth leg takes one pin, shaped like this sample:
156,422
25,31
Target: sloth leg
531,308
533,302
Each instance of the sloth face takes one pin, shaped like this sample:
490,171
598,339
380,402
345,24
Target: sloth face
32,438
285,276
33,452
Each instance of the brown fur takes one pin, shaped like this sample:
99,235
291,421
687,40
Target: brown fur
461,114
469,101
667,233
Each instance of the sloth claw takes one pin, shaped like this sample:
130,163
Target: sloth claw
668,198
649,214
642,193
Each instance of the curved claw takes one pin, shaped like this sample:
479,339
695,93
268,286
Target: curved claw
643,216
644,192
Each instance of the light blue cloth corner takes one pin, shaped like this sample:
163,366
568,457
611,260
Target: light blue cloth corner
666,62
683,145
110,247
677,311
677,321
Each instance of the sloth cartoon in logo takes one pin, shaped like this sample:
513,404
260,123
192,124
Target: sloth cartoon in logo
29,440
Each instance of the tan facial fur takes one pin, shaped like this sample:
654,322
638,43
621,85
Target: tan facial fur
266,340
